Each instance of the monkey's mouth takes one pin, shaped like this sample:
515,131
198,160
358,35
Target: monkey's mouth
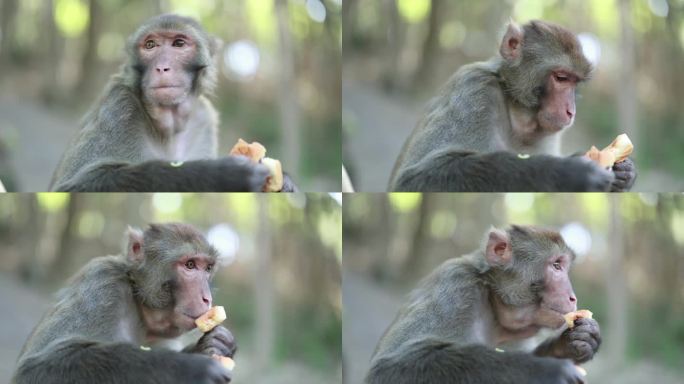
167,86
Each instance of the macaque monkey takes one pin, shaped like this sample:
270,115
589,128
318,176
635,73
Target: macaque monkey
496,126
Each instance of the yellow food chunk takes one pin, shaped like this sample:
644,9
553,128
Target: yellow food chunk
274,182
255,151
211,319
227,362
570,317
616,152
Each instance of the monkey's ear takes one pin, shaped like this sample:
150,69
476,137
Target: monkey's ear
215,45
511,45
498,249
133,245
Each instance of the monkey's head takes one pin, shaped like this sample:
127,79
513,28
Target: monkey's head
170,58
529,272
542,65
171,267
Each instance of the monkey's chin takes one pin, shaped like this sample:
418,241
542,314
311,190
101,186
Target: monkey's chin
168,96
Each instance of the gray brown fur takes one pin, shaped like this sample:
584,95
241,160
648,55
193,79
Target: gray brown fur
444,333
119,148
465,140
94,331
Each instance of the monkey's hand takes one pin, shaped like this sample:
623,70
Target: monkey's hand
218,341
566,373
288,184
578,344
625,175
209,371
580,174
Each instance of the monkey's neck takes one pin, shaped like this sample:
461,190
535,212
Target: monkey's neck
513,323
169,121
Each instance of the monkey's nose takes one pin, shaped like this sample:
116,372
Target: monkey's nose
570,113
163,69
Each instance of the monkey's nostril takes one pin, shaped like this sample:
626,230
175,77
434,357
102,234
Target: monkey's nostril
573,299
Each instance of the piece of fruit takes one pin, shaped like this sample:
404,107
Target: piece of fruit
255,151
227,362
581,370
274,182
211,319
570,317
616,152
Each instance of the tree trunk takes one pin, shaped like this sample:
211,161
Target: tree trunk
52,56
430,45
626,92
616,287
287,91
89,61
8,13
263,287
418,244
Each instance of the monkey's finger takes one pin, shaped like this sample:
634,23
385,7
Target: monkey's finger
581,352
587,322
584,337
225,337
625,165
216,346
588,329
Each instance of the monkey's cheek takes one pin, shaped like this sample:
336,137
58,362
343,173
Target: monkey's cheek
549,318
551,123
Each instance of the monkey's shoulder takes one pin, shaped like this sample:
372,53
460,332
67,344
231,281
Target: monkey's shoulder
472,79
104,271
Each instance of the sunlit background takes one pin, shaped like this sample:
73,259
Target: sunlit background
280,83
280,276
629,270
398,53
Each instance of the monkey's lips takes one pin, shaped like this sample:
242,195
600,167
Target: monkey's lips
168,93
187,322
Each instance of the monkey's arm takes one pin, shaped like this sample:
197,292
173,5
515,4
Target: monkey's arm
80,361
220,175
579,343
435,361
460,171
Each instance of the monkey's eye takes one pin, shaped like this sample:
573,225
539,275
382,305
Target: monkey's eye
557,266
190,264
210,267
561,77
178,43
149,44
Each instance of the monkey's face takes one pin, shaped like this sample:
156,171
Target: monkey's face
192,295
172,266
557,108
557,297
167,62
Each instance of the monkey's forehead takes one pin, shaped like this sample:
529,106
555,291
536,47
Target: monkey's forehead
173,23
190,249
